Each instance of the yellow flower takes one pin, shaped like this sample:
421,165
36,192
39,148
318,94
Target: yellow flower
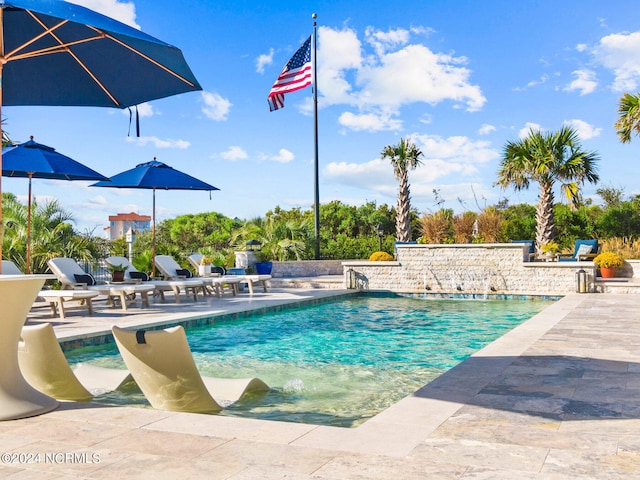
550,247
608,259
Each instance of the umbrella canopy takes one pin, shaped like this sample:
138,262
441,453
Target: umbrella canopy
34,160
58,53
153,176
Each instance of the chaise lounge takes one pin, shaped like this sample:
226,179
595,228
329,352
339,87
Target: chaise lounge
56,298
72,276
217,280
173,272
161,286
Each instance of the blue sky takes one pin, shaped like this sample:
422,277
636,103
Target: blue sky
461,78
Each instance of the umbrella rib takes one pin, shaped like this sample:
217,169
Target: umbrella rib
46,31
146,57
62,47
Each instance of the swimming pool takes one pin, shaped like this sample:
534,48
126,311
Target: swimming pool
338,363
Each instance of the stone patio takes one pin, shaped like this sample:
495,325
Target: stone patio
556,398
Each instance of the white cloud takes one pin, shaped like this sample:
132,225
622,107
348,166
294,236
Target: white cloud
264,60
376,175
621,54
456,149
144,110
159,143
457,156
524,132
383,41
486,129
234,153
540,81
369,121
124,12
390,73
215,106
585,130
585,82
284,156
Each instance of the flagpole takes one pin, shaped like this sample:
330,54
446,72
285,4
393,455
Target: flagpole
315,140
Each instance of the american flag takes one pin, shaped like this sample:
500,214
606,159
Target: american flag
295,75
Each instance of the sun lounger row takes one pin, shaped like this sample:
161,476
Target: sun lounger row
78,285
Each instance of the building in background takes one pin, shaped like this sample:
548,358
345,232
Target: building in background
120,224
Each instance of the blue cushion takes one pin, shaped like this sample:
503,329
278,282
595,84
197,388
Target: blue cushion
593,243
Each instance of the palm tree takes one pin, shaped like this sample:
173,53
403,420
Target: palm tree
547,158
404,156
629,120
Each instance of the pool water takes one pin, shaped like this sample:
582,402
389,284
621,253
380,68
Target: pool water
338,363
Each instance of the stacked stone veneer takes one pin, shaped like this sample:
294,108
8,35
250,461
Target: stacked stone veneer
306,268
466,269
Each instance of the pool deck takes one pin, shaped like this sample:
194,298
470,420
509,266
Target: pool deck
556,398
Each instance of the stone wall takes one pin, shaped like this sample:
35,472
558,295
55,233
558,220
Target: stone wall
466,269
306,268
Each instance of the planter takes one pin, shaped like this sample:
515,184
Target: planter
117,276
608,272
264,268
204,270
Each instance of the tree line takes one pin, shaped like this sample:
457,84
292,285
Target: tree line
351,232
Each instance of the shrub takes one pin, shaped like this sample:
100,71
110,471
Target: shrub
380,257
437,228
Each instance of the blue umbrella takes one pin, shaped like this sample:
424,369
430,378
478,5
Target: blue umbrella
153,176
58,53
34,160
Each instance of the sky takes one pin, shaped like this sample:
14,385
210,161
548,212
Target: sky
460,78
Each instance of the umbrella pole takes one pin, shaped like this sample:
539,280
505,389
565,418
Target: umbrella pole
153,236
28,260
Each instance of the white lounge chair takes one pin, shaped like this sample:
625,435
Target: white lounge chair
172,271
72,276
218,281
45,368
175,286
162,365
56,298
251,280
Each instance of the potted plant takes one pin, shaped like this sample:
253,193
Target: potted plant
117,272
608,262
550,250
264,265
205,265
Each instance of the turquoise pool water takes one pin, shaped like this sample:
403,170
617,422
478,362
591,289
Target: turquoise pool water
339,363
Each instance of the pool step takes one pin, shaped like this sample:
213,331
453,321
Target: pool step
617,285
